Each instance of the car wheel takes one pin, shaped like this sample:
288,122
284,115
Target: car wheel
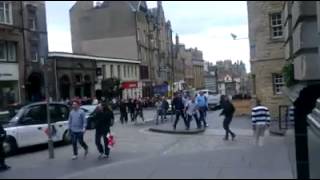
66,138
10,146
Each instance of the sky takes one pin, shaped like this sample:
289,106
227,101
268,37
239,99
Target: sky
206,25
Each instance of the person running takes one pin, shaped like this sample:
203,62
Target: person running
123,112
77,128
228,111
192,111
139,109
260,121
179,108
3,165
131,107
103,119
203,107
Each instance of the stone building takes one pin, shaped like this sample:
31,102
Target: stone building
126,30
301,51
23,42
210,77
78,75
198,68
267,53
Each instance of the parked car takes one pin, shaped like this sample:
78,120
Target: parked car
90,111
213,98
29,126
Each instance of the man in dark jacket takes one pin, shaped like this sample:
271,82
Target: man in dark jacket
178,106
228,111
139,109
3,134
123,112
131,107
103,120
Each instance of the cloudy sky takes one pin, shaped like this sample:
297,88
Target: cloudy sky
203,24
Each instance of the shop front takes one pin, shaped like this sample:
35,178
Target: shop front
131,90
9,85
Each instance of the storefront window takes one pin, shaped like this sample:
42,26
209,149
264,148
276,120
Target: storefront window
8,51
8,93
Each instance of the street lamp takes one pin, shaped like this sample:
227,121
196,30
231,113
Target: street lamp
235,37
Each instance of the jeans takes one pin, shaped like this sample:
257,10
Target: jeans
2,155
124,117
78,137
226,126
178,114
203,113
160,112
139,113
106,149
189,117
132,114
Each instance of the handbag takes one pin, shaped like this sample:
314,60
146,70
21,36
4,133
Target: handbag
111,140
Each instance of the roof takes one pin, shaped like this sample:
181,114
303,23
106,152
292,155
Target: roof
95,58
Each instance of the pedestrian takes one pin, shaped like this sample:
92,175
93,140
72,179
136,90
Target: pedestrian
139,110
3,165
123,112
179,109
131,107
164,107
227,112
11,101
103,119
260,122
192,112
159,112
77,128
202,103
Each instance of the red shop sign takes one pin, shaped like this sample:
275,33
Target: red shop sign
130,85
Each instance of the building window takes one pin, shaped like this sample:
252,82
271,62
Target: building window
276,26
119,72
128,71
278,83
125,71
111,70
32,23
5,12
8,51
103,71
34,53
136,72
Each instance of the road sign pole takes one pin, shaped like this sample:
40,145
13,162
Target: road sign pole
50,141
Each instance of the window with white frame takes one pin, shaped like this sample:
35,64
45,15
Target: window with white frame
5,12
32,23
276,25
8,51
34,53
278,83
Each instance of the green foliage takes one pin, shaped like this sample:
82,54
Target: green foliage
288,74
111,88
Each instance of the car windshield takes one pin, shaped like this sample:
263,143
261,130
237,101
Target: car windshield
88,109
5,117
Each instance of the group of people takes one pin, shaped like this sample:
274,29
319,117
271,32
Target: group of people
190,107
134,107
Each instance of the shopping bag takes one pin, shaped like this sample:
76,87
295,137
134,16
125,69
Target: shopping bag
111,140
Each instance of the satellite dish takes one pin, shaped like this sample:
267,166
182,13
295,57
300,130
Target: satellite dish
234,36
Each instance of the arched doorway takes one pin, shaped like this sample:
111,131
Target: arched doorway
87,86
78,85
65,87
34,88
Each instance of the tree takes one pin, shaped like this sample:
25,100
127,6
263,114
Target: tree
111,88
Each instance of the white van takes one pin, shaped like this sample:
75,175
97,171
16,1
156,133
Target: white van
213,98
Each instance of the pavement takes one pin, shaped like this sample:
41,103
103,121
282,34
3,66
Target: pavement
140,153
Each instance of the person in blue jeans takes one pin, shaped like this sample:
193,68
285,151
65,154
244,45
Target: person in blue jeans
77,128
203,107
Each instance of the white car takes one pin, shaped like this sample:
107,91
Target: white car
89,110
213,98
29,126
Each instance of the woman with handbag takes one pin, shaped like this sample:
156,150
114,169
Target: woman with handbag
104,118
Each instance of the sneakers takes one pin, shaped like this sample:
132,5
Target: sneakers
74,157
104,156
